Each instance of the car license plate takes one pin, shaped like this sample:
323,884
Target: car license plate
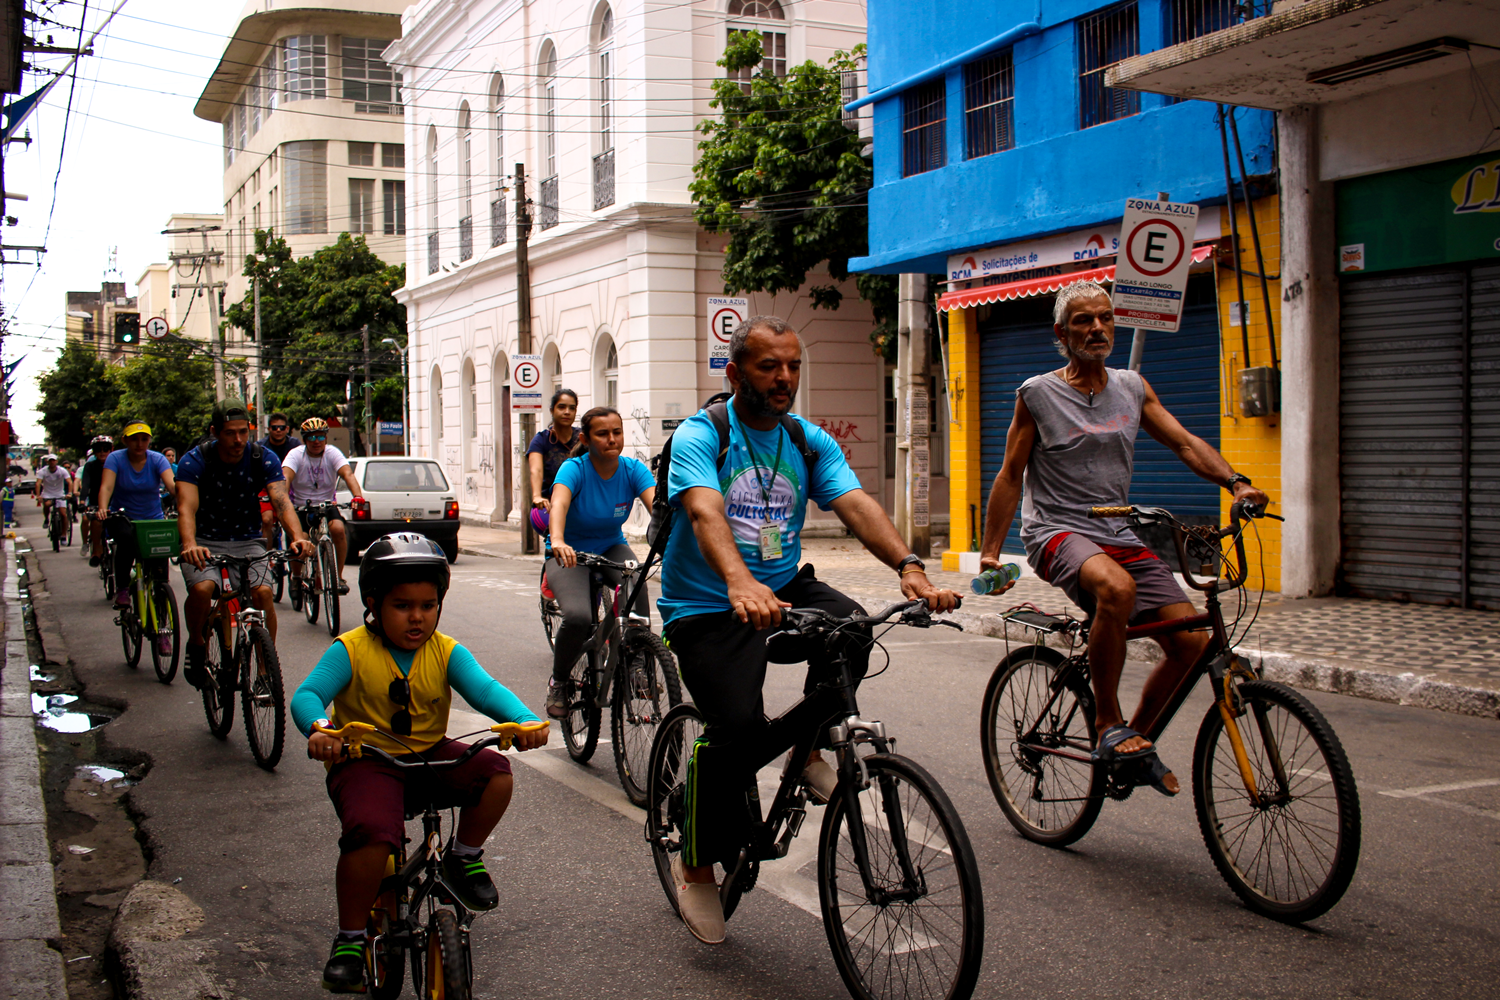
409,513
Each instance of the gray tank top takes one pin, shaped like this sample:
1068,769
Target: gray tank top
1083,457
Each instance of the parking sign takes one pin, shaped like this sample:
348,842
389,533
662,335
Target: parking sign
724,314
526,383
1151,272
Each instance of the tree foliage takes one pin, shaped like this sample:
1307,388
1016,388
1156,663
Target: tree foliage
311,312
169,386
784,176
74,394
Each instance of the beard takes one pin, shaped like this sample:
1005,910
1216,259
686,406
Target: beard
759,404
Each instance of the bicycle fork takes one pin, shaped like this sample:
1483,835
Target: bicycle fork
1231,707
854,778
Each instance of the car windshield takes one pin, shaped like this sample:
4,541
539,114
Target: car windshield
410,477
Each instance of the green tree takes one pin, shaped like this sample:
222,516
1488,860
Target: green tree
311,312
169,385
782,174
75,394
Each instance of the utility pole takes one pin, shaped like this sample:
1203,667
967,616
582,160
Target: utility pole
913,424
529,542
369,424
260,378
206,259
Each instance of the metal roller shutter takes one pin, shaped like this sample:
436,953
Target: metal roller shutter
1183,367
1401,417
1484,438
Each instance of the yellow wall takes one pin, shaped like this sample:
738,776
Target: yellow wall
964,487
1252,444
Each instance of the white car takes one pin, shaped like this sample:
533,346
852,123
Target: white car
405,494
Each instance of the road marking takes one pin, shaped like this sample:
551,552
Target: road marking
1457,786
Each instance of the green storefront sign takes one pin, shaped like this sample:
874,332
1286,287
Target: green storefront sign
1441,213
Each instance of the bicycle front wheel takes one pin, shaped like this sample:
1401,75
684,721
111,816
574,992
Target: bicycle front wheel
386,969
328,564
580,727
919,922
646,688
551,612
263,697
218,692
130,634
445,979
278,571
1050,799
310,594
165,648
1290,853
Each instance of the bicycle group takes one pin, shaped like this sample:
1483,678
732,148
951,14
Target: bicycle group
898,881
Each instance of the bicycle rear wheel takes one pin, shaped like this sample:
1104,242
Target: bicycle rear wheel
1049,799
445,979
580,727
218,693
54,529
328,565
263,697
130,633
164,613
1291,856
646,688
925,927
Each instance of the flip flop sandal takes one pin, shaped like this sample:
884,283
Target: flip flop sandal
1112,737
1153,772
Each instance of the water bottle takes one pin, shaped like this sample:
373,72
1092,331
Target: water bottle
992,580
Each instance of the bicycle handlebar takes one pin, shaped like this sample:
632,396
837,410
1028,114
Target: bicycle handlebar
1239,511
355,733
589,559
813,620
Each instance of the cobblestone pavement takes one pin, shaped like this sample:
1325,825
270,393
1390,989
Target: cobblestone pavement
1337,636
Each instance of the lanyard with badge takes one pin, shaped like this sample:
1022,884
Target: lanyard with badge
770,534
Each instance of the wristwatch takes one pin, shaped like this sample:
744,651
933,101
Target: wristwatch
1236,478
910,560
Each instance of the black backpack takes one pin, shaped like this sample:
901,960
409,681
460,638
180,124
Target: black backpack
717,408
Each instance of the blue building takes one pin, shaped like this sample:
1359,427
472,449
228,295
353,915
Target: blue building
1002,163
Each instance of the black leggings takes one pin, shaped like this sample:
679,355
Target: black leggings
723,662
571,587
123,532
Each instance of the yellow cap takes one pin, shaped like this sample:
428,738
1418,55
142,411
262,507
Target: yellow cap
135,427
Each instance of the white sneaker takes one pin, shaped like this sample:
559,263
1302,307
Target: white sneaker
698,903
821,780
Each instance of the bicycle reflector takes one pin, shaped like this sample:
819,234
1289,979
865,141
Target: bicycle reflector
450,510
360,508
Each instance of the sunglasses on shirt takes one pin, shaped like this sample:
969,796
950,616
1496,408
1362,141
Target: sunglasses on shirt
400,692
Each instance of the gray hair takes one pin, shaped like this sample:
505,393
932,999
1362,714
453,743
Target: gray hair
1071,293
774,325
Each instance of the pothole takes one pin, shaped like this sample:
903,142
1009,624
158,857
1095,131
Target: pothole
64,713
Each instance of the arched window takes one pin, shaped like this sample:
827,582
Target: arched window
435,396
547,74
772,38
465,182
607,386
604,59
768,9
469,413
432,201
552,368
497,128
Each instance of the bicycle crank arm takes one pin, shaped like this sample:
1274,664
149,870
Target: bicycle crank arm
1082,758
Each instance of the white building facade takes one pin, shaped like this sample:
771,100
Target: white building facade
600,101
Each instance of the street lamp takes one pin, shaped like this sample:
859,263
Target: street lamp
405,416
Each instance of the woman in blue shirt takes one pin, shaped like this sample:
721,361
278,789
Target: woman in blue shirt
592,496
131,482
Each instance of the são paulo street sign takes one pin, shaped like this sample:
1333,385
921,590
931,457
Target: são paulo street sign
526,383
1151,272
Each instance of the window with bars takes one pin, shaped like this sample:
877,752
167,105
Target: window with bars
304,67
394,193
772,57
361,205
368,80
848,93
924,117
989,102
1189,19
361,154
305,183
1103,40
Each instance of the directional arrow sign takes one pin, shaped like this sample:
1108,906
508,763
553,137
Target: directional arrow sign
157,328
1151,273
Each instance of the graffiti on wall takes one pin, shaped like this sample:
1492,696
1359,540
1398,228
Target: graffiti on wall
640,435
843,430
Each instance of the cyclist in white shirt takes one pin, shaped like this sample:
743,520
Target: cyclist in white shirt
52,483
312,473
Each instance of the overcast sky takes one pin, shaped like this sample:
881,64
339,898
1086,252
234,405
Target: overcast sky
132,154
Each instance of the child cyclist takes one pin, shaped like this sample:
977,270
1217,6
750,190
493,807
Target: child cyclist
398,673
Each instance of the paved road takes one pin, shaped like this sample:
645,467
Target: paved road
1136,909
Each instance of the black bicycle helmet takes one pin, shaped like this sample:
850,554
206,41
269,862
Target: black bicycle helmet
402,557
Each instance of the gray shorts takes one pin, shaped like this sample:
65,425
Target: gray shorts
1063,556
260,572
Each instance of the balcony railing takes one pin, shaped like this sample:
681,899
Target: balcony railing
466,237
547,216
497,222
432,253
604,179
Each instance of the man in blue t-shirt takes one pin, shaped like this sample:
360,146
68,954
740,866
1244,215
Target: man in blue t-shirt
218,513
729,571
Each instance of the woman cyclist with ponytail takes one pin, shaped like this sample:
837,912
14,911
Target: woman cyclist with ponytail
592,497
397,672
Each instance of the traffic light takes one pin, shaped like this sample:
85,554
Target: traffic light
127,328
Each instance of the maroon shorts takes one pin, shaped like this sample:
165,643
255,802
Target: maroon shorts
373,797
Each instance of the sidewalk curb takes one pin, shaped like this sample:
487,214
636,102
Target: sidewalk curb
153,961
29,966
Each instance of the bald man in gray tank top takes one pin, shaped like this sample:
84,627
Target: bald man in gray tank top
1072,443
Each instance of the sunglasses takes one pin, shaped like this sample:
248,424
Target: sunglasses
315,437
400,693
278,427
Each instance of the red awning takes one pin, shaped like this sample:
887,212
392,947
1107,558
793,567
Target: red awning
964,298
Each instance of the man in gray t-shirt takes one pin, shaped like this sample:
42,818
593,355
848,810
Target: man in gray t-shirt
1072,443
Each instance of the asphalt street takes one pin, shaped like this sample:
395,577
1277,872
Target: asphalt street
1135,909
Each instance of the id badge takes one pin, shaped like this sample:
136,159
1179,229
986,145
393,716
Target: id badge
770,542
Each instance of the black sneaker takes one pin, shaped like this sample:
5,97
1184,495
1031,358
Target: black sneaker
343,588
345,971
94,561
469,881
194,671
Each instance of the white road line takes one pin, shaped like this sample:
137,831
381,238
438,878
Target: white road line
1457,786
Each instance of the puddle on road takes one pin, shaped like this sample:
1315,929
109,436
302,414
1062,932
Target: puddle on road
109,777
41,676
54,712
